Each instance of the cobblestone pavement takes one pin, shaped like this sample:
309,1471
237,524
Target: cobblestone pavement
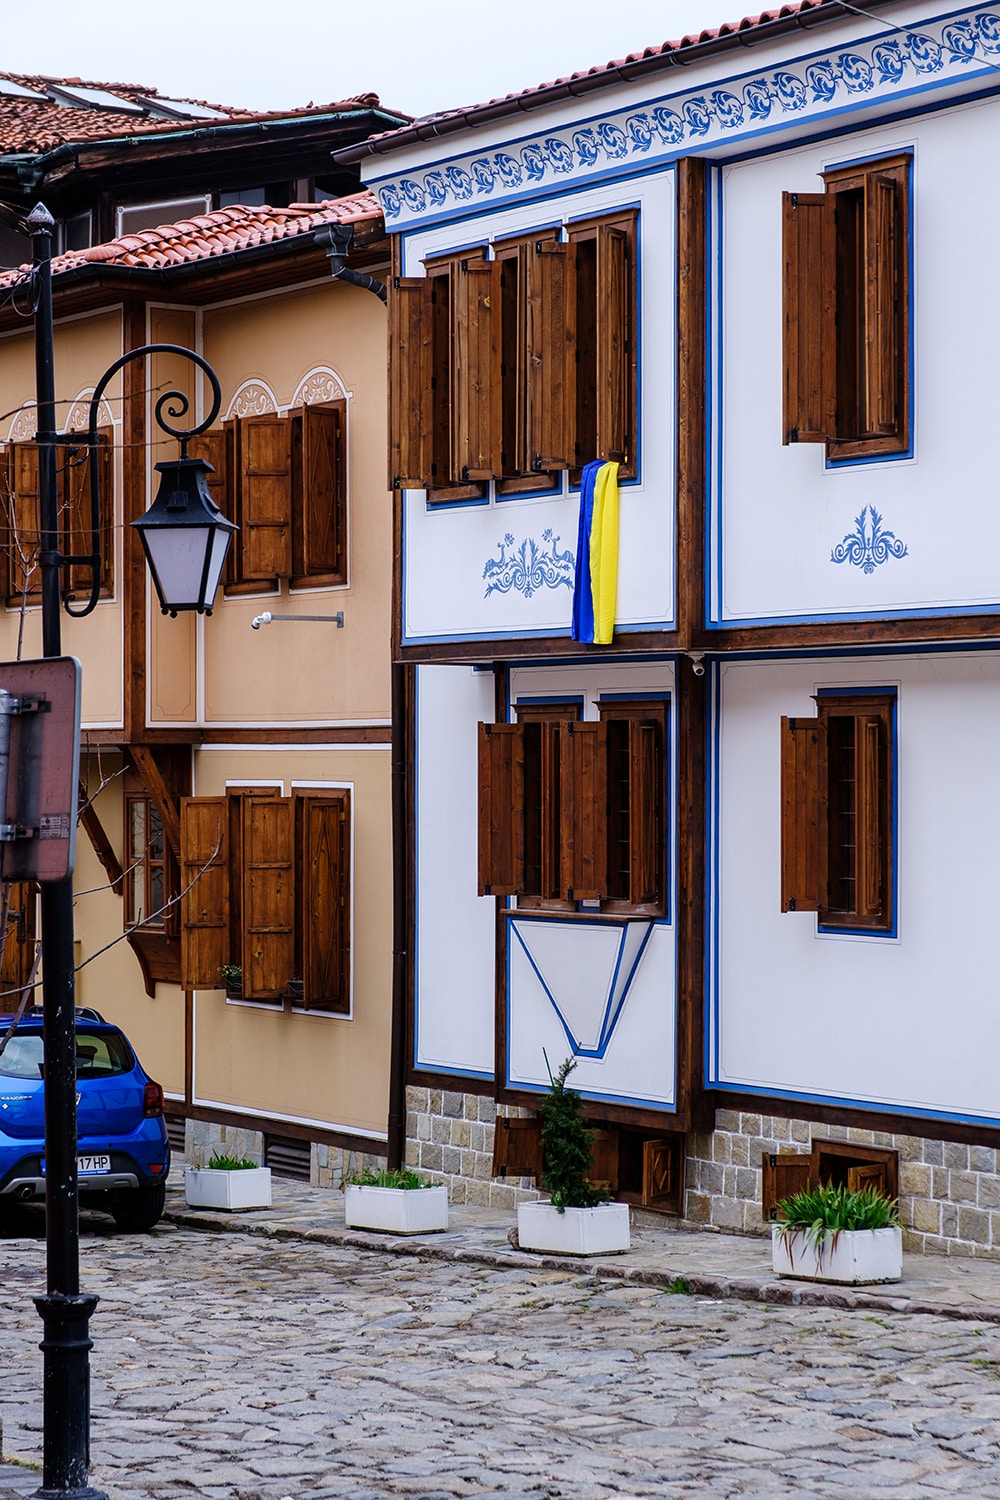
243,1368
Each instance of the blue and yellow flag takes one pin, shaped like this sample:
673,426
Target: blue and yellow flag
596,586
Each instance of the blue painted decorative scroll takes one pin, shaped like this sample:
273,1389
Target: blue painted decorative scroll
869,544
529,567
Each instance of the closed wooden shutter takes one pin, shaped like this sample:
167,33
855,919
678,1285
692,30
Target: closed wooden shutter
584,788
645,811
810,334
603,1169
782,1174
268,905
517,1147
18,943
265,468
870,740
614,343
804,865
75,514
475,292
551,367
411,382
322,506
501,809
205,891
324,865
868,1175
882,312
515,377
24,534
662,1173
214,448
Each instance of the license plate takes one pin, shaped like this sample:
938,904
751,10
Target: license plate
91,1164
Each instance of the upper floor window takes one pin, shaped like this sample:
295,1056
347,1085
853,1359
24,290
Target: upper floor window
20,573
130,218
836,811
847,337
150,876
515,367
575,810
282,479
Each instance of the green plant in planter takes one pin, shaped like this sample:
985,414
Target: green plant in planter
566,1144
220,1163
829,1209
397,1177
232,976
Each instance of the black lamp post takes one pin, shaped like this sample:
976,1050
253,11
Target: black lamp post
65,1312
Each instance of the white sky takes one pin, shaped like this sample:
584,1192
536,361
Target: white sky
418,55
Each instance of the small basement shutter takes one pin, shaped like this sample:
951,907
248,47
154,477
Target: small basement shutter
501,809
517,1147
268,906
662,1168
810,332
411,382
551,400
24,534
205,891
613,343
324,900
804,866
584,788
476,391
782,1174
265,497
604,1149
323,501
869,1175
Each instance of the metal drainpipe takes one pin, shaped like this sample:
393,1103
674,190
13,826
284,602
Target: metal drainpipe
335,239
397,1050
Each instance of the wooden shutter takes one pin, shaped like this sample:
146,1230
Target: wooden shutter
882,320
324,907
321,508
869,821
804,865
645,811
265,468
782,1174
810,335
411,381
603,1169
501,809
662,1173
551,364
18,943
24,534
614,342
868,1175
517,1147
205,891
74,511
268,905
214,447
475,292
584,789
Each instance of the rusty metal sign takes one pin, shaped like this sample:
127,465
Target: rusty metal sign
39,767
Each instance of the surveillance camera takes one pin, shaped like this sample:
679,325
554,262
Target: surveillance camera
698,668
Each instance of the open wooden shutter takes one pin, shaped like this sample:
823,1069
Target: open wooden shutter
614,343
810,334
663,1173
24,534
782,1174
268,906
868,1175
551,367
501,809
882,312
265,467
411,382
320,542
214,448
324,907
18,943
205,891
645,809
517,1147
869,746
475,292
74,511
584,789
804,865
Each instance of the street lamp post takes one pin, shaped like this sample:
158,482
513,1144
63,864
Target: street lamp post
64,1310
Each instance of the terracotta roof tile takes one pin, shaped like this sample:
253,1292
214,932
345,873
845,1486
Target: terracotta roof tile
209,236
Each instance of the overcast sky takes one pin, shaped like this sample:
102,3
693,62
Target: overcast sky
274,54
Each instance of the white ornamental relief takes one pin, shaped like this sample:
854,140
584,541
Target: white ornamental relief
79,415
321,385
24,426
252,400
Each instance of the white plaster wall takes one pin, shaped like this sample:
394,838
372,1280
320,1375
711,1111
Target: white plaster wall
446,549
911,1022
782,508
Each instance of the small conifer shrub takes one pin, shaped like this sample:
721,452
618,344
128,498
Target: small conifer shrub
566,1145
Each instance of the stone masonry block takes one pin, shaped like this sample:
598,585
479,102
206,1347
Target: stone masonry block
962,1187
748,1184
430,1157
722,1147
974,1225
727,1119
781,1130
752,1222
926,1217
451,1159
712,1177
861,1137
914,1179
452,1105
911,1148
750,1125
729,1181
988,1191
412,1154
434,1101
487,1110
477,1193
698,1208
933,1152
461,1133
441,1130
939,1183
800,1131
982,1159
726,1214
956,1156
740,1151
949,1220
477,1136
423,1130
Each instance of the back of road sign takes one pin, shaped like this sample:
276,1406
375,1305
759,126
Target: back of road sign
39,767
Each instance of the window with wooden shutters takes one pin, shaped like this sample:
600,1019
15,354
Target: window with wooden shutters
23,539
21,573
847,317
150,880
837,812
606,404
547,875
323,890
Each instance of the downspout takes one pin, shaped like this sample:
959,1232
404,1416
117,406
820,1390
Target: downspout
335,239
397,1048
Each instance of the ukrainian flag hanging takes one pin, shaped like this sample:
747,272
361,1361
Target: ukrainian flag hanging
596,586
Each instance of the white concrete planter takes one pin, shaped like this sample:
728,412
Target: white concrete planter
396,1210
212,1187
576,1231
853,1255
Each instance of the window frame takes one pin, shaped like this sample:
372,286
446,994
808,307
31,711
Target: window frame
19,475
140,867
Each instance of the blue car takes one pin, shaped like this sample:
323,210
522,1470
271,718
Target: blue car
122,1152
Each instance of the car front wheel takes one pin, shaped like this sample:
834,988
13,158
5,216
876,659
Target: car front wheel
136,1212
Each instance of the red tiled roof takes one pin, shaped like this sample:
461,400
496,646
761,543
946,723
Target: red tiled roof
30,125
635,65
209,236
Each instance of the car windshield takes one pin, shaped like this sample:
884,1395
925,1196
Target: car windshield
98,1055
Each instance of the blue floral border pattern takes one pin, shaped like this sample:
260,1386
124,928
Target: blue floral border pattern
869,545
881,67
528,567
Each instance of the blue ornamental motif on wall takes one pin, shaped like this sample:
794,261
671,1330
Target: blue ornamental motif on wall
528,567
947,49
869,544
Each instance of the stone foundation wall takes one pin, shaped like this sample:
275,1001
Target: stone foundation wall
328,1165
449,1136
